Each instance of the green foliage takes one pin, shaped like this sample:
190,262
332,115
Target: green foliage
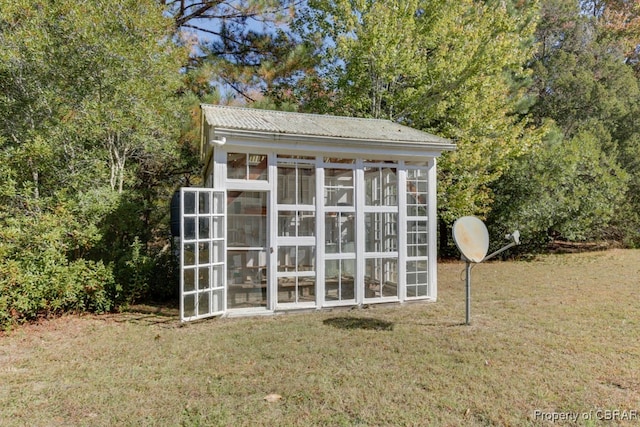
454,68
40,273
567,190
89,119
240,48
584,82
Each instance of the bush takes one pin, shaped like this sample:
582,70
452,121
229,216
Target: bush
568,189
39,276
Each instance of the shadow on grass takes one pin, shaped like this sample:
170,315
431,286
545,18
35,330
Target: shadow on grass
163,315
359,323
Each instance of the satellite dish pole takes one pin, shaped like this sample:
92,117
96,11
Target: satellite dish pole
472,239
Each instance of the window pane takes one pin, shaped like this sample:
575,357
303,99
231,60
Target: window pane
372,186
204,203
306,185
258,167
338,187
417,285
389,187
189,254
203,253
417,238
306,259
339,160
189,279
286,184
339,280
203,278
332,236
189,228
381,232
236,166
286,258
339,232
381,277
347,279
381,186
189,305
306,223
189,203
203,303
417,192
218,227
287,223
287,289
389,277
204,228
246,222
217,273
246,277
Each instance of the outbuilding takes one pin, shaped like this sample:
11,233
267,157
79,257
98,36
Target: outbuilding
305,211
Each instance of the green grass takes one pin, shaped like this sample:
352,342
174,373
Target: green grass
559,334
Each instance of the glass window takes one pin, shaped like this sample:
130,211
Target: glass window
246,278
381,186
296,184
236,166
287,184
381,232
417,238
340,232
296,258
296,223
306,185
296,278
417,192
247,166
339,160
381,277
417,285
338,187
246,220
340,279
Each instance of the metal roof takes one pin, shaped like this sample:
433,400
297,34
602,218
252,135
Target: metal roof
282,122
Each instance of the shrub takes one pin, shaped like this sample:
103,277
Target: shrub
39,276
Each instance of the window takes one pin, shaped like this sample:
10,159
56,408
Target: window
247,166
417,233
296,274
417,192
296,223
296,182
296,230
338,187
340,237
381,230
381,186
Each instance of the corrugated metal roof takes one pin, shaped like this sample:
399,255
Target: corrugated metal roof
281,122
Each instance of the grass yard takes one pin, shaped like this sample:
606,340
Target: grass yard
559,336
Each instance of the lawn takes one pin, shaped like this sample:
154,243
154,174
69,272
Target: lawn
558,336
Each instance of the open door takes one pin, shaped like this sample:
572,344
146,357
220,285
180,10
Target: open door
202,253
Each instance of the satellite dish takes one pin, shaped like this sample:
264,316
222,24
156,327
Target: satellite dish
471,237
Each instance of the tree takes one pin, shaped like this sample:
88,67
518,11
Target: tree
88,108
241,48
584,83
565,189
454,68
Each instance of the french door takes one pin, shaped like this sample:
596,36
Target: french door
202,253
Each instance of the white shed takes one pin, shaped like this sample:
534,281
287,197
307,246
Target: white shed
304,211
